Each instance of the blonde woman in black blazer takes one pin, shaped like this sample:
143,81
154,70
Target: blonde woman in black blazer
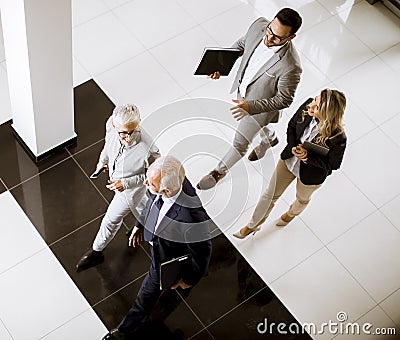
318,120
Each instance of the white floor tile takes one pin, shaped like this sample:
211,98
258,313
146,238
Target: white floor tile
329,216
379,181
312,80
37,283
208,8
391,57
334,56
181,55
372,87
391,306
359,22
142,81
5,104
275,250
379,322
80,74
356,122
319,288
391,211
85,326
115,3
391,128
168,19
4,334
84,10
102,43
236,23
338,6
2,51
371,253
16,228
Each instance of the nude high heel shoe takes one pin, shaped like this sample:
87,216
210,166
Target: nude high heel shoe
284,220
246,232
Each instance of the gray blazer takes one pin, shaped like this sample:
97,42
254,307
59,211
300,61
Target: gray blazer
274,85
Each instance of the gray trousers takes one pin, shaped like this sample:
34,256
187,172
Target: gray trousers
120,206
248,127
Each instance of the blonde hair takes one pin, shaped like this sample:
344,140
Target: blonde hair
331,111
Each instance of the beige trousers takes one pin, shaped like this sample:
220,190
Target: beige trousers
280,180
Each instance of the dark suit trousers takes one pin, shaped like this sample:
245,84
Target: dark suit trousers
146,299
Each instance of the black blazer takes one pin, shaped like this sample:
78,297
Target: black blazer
317,167
185,229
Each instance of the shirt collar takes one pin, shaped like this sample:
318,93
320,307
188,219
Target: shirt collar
172,199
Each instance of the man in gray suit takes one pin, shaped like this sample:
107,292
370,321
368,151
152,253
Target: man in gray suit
266,82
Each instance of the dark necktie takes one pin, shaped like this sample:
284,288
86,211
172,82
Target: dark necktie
152,218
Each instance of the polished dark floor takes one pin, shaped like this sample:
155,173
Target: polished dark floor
66,207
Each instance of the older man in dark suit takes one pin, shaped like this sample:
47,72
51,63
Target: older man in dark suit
175,224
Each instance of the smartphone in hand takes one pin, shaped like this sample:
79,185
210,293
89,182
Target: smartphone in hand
97,173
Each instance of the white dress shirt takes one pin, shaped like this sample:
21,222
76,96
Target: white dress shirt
168,202
260,56
293,163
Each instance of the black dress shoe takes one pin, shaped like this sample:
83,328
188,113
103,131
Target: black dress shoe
90,259
114,334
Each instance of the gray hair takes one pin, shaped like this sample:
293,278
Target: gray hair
172,172
126,114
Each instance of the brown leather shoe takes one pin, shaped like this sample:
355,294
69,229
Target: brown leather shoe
260,150
209,181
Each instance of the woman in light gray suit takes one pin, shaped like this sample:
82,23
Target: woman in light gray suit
266,82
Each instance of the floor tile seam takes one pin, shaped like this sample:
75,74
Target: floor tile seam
353,276
354,33
40,172
377,53
169,74
66,322
86,147
271,282
337,77
359,189
193,312
396,323
200,22
5,327
355,224
238,305
158,44
92,18
90,181
75,230
44,248
380,127
5,185
119,289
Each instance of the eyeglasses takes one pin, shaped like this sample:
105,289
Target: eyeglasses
274,36
124,134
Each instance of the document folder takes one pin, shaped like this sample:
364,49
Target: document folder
172,271
217,59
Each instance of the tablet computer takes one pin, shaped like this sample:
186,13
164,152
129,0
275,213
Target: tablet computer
217,59
172,271
320,150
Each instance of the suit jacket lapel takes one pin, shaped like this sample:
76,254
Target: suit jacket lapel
270,62
170,216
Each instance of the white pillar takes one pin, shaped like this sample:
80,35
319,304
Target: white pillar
38,47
